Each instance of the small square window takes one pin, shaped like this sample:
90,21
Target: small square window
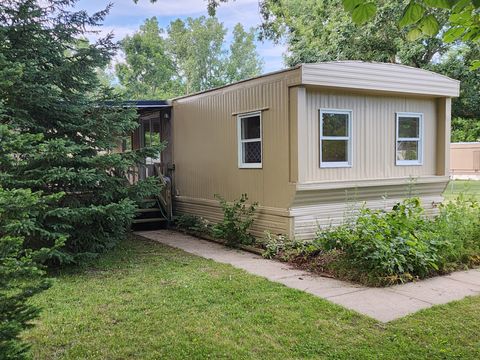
334,151
335,138
252,152
409,139
408,127
250,140
407,150
250,127
335,124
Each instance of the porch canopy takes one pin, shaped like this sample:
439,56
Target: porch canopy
146,104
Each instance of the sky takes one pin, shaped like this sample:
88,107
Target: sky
126,17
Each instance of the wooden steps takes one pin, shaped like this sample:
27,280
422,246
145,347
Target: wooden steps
149,210
149,218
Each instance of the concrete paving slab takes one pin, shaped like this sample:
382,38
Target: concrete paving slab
253,263
203,248
381,304
469,277
439,290
272,270
320,286
384,304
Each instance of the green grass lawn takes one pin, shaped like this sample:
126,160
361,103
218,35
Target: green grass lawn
148,301
467,187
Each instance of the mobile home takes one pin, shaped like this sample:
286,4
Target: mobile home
307,142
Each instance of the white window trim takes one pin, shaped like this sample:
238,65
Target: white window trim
420,138
336,164
240,142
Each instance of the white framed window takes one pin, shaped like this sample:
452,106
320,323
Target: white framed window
249,132
335,138
409,139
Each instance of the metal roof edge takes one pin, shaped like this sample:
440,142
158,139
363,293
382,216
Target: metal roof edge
237,82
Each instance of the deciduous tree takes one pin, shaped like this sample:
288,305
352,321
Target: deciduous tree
423,19
456,64
197,49
148,71
244,61
317,31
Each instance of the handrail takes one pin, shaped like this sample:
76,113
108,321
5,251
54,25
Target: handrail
164,197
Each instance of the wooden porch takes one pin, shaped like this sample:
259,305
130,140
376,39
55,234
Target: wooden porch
154,128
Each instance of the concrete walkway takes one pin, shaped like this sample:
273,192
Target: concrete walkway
382,304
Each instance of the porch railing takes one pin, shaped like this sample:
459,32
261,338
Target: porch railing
164,196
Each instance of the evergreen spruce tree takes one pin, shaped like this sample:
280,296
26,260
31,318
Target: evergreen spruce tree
22,214
64,193
49,88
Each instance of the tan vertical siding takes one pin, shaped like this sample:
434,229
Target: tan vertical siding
276,221
206,149
293,133
444,111
373,136
319,205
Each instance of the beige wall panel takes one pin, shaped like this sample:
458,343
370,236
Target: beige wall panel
432,186
293,132
306,226
465,158
205,142
379,77
276,221
373,136
324,207
444,114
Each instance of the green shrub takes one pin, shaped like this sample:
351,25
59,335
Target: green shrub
458,223
465,130
384,247
387,244
194,224
379,247
23,216
237,220
282,247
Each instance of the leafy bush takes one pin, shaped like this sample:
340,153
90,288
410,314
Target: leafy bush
458,223
237,220
23,216
395,245
194,224
281,246
384,247
465,130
